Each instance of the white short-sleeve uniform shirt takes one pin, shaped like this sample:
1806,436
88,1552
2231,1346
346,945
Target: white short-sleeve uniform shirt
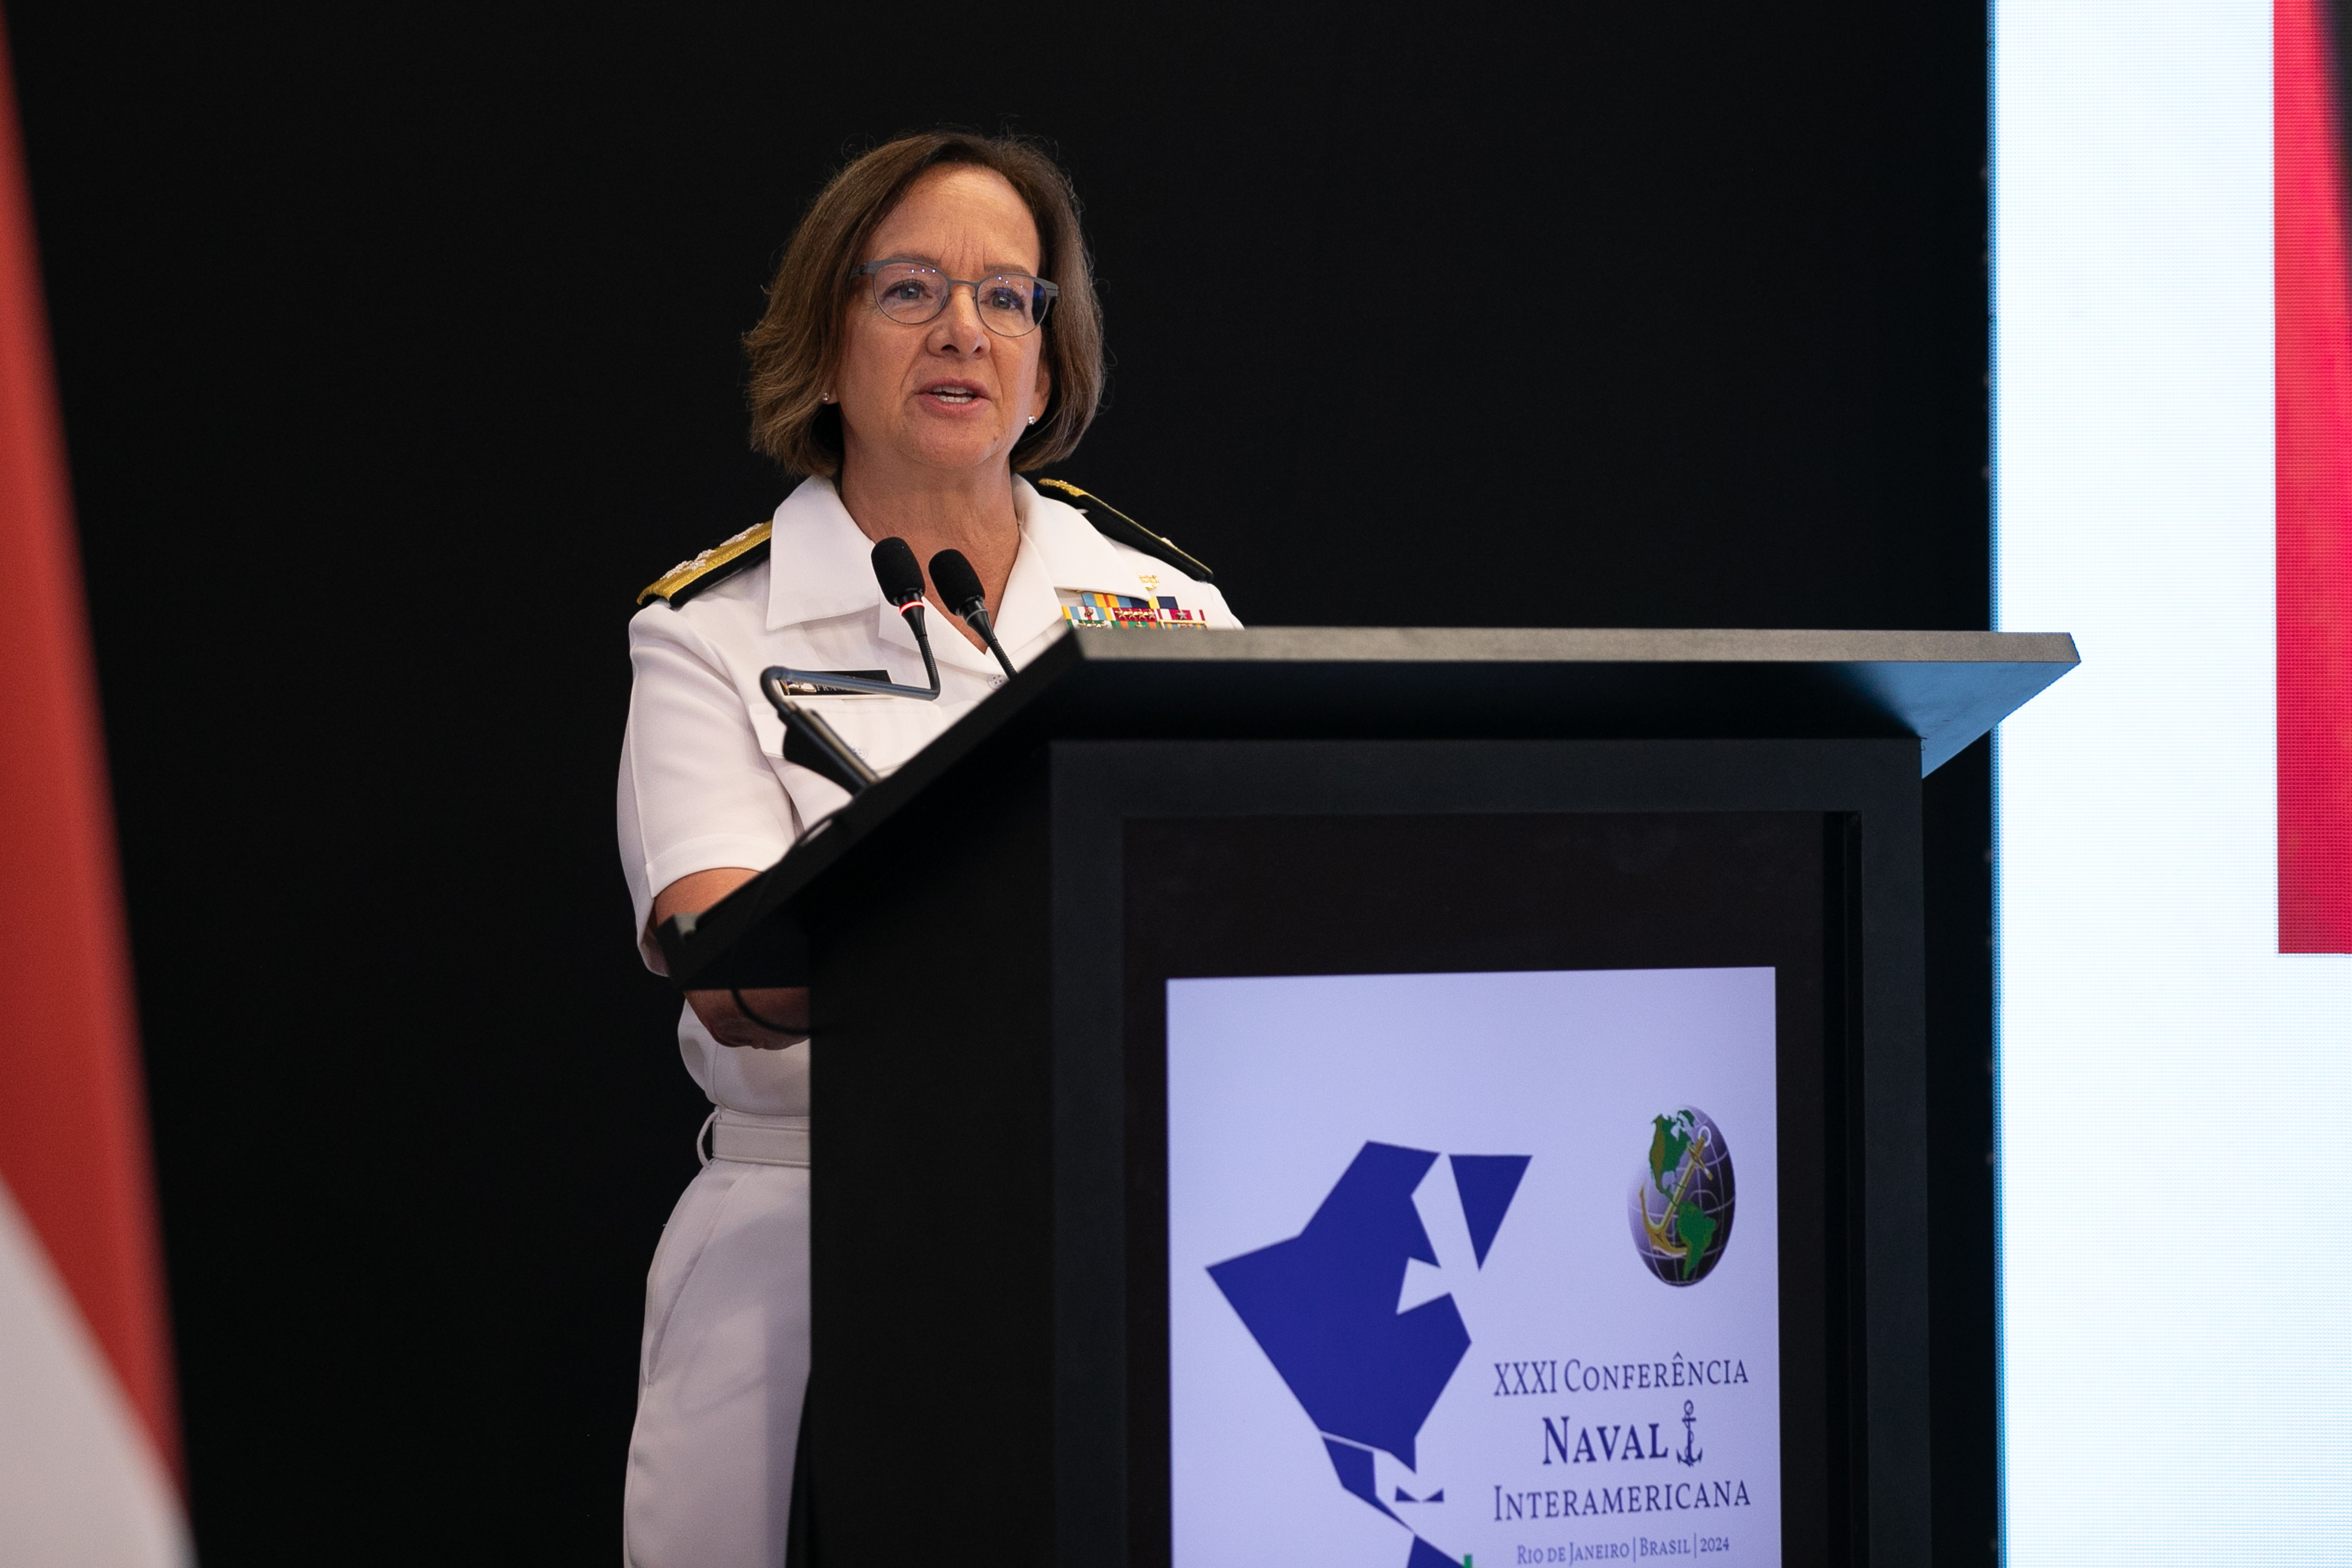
704,784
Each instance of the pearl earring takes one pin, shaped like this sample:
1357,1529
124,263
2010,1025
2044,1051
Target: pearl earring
824,397
1032,419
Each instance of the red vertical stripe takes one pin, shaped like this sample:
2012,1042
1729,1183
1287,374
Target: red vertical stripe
2315,490
73,1131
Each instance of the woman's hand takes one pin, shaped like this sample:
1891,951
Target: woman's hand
785,1006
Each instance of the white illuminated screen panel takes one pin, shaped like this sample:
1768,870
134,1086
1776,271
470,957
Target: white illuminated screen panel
2175,1192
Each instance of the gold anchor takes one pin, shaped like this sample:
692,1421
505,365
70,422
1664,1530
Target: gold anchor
1658,1227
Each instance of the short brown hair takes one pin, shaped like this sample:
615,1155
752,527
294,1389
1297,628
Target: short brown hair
795,351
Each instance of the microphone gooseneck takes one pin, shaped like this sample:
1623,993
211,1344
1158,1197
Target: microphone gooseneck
902,586
960,590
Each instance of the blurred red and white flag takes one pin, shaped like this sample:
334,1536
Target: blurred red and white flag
2315,482
88,1435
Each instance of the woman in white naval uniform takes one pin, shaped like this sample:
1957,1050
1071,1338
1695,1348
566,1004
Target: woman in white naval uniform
931,330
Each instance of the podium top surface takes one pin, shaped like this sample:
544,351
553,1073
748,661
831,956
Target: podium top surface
1944,689
1947,689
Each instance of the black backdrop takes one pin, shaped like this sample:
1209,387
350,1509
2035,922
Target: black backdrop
399,349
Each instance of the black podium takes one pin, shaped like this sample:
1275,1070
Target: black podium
990,934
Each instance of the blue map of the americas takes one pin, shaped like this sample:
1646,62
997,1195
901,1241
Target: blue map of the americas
1323,1307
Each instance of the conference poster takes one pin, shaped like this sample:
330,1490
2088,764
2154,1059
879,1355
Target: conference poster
1475,1269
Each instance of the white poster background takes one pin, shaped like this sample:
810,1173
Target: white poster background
1274,1085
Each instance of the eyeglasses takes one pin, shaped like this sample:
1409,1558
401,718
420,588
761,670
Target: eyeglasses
1011,304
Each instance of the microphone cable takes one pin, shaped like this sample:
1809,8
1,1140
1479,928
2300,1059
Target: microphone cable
745,1008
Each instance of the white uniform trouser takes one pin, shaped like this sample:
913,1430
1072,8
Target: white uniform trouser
726,1359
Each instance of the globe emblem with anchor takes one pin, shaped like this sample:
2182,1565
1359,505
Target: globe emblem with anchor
1682,1201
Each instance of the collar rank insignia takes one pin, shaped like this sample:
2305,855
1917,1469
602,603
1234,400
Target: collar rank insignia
1129,612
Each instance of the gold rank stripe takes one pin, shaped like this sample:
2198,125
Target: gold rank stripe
710,559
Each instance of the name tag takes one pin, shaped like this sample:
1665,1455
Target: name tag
1129,611
811,689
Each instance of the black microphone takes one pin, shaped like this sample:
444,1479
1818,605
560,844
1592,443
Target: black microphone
960,590
902,585
808,739
895,569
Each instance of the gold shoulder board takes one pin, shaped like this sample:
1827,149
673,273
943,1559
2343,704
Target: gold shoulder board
1117,525
716,564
